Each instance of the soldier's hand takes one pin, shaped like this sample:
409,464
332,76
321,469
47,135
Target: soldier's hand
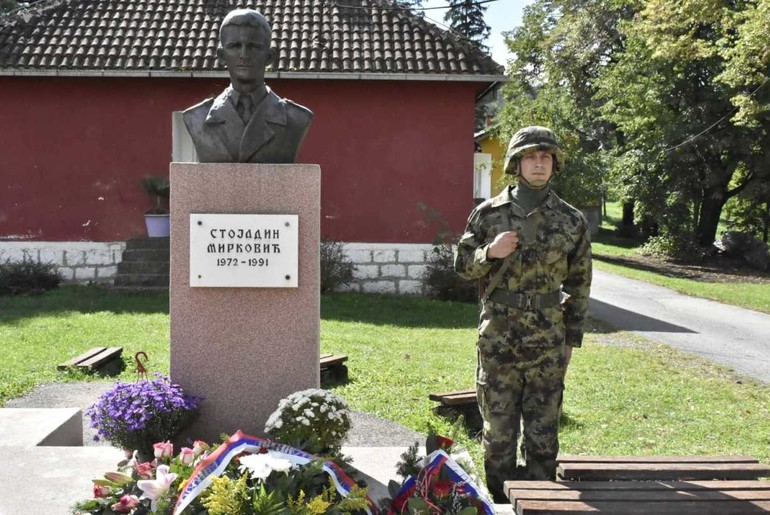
503,245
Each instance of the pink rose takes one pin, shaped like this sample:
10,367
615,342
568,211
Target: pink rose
144,470
163,449
126,504
101,491
187,456
198,447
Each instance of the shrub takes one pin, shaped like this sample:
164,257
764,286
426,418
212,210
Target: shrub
314,420
336,268
442,282
680,247
28,276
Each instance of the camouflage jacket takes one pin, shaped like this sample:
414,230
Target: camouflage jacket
554,252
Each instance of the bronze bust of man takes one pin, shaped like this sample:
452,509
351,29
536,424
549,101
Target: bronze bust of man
247,122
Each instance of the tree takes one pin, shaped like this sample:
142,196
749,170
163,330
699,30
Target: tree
8,6
560,50
662,93
411,4
467,18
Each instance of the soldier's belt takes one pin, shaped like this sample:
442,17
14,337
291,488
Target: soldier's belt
526,301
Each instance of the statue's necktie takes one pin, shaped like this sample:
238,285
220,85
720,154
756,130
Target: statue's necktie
245,107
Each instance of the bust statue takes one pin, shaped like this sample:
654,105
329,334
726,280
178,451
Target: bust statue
247,122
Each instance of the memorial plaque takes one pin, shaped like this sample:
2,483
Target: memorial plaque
244,251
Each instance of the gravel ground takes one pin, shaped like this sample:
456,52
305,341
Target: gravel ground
366,431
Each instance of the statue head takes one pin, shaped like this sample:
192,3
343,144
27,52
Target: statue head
244,46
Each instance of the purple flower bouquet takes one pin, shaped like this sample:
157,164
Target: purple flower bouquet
135,415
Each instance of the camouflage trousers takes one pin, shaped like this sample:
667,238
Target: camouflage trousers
517,383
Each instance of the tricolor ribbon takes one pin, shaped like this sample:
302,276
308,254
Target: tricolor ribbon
216,463
432,465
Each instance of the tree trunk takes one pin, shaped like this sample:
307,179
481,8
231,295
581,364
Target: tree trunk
710,211
627,222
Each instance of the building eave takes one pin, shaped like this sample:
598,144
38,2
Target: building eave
22,72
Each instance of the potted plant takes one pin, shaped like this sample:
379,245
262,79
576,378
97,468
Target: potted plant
157,218
134,416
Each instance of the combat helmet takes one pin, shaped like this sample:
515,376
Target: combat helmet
528,138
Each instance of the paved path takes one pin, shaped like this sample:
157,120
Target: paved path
732,336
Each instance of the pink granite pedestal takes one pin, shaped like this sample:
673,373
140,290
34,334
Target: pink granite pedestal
244,349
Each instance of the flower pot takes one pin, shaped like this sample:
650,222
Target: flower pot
157,225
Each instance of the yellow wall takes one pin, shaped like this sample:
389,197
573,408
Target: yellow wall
492,145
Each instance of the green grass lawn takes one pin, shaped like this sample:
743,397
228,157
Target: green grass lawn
624,396
746,294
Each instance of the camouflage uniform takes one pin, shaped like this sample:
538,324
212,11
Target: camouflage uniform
521,345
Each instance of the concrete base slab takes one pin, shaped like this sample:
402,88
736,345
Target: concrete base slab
49,480
29,427
377,466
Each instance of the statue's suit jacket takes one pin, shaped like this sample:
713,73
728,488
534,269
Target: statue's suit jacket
273,135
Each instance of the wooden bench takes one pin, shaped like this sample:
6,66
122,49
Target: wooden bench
333,367
665,468
93,359
647,484
461,402
456,399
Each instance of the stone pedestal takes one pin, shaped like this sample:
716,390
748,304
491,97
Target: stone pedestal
244,349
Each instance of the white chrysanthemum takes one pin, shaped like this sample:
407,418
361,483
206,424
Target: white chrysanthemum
260,466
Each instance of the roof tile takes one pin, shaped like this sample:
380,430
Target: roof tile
372,36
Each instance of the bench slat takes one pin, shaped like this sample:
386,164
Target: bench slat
581,486
100,358
661,471
454,398
328,360
74,361
566,458
633,496
646,508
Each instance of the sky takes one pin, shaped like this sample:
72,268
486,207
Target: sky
501,16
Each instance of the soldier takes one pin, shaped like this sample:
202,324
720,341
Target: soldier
532,254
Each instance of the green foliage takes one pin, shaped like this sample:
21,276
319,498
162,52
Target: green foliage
747,61
442,282
336,268
160,188
467,18
7,6
749,216
328,502
410,462
411,4
226,496
683,48
642,93
28,277
559,51
676,247
267,503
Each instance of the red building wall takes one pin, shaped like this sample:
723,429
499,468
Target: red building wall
73,152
